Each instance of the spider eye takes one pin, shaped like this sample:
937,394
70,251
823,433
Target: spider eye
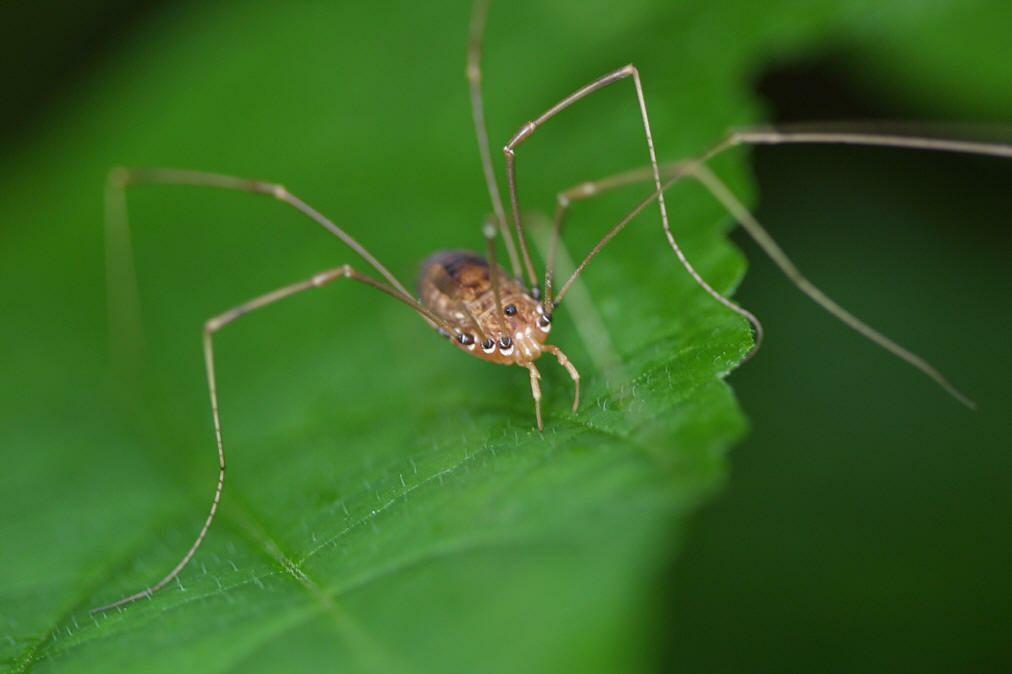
488,346
466,339
505,342
510,309
545,322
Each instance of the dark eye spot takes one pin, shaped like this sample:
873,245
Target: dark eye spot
544,321
510,309
505,342
466,339
488,345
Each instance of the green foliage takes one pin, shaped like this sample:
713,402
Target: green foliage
389,506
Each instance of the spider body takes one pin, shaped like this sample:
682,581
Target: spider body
458,287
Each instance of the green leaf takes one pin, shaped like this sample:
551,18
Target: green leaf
389,506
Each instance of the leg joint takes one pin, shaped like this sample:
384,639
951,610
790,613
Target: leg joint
213,325
270,189
523,134
221,320
323,278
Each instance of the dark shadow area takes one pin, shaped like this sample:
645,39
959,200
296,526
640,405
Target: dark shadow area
864,527
47,47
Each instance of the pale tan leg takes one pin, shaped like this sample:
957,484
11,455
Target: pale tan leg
536,392
479,13
854,134
210,328
124,321
671,173
528,129
586,317
698,171
749,223
570,368
588,190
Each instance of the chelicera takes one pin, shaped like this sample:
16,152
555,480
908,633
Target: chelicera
481,308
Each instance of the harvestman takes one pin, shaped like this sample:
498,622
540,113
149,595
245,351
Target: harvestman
474,303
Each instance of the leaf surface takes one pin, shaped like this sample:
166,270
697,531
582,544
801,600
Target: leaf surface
389,506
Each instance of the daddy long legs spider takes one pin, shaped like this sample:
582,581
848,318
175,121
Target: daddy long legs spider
504,314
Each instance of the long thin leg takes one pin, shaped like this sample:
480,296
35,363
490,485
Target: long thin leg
677,172
122,301
697,170
493,273
529,128
536,393
588,190
570,368
606,239
769,246
810,134
127,177
749,223
586,315
755,136
121,281
210,328
479,14
464,311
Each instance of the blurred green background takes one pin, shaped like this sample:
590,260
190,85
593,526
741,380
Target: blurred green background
863,521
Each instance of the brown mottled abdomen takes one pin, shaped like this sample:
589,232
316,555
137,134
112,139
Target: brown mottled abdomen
452,276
